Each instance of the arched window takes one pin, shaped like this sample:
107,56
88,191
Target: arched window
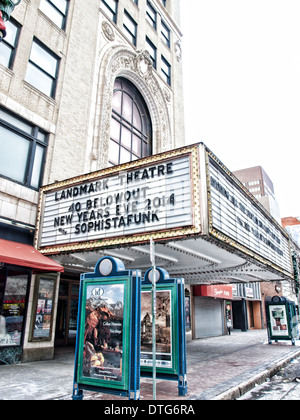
131,130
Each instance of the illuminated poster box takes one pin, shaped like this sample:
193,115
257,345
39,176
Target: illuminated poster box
169,329
107,353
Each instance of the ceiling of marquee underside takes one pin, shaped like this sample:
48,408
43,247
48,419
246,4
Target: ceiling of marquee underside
198,261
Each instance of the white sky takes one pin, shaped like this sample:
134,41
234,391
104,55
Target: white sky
241,61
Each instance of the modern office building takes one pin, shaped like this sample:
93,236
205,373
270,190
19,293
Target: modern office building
261,186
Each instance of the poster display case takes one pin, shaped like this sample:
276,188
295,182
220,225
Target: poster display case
282,320
108,333
166,331
169,326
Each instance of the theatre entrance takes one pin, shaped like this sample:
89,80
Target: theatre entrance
67,309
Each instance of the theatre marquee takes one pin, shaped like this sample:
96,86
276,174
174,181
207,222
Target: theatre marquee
238,219
182,194
153,197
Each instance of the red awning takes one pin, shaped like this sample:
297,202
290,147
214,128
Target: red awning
215,291
23,255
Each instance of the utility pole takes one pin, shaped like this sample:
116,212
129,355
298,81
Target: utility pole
153,278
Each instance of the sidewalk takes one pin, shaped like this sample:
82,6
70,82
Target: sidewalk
218,368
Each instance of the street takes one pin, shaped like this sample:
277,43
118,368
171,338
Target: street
284,386
219,368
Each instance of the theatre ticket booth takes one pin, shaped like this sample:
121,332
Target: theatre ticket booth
207,227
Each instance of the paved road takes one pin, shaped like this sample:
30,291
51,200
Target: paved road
218,368
285,386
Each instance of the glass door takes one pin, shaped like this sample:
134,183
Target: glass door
67,309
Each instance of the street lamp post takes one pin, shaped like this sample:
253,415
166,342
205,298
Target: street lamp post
6,8
2,28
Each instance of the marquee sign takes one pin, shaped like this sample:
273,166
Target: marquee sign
237,218
121,205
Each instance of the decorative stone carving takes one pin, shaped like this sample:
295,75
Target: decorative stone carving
143,63
108,31
167,94
178,51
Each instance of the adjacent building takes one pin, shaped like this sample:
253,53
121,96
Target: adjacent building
257,181
261,186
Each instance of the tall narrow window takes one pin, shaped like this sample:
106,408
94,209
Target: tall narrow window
42,69
151,48
130,28
110,7
151,15
56,10
166,70
131,130
165,34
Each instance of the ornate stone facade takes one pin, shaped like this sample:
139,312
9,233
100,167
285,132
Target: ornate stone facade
137,67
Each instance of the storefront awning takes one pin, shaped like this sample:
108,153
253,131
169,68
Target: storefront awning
15,253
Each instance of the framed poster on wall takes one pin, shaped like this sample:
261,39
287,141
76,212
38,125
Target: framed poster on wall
44,295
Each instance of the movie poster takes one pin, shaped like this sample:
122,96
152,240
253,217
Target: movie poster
42,325
163,323
278,318
103,332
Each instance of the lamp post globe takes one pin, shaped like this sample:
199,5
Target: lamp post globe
2,28
6,8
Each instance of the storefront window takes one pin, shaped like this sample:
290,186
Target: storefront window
13,291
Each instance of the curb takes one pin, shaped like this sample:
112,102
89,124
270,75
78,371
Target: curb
241,389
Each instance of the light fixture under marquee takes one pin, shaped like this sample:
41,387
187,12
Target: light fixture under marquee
105,267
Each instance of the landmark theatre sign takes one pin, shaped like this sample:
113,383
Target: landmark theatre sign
124,204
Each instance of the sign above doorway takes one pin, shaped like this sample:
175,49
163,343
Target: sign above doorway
153,197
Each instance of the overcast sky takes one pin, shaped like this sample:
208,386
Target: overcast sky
241,61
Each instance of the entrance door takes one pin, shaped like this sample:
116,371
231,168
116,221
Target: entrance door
67,309
239,315
251,314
